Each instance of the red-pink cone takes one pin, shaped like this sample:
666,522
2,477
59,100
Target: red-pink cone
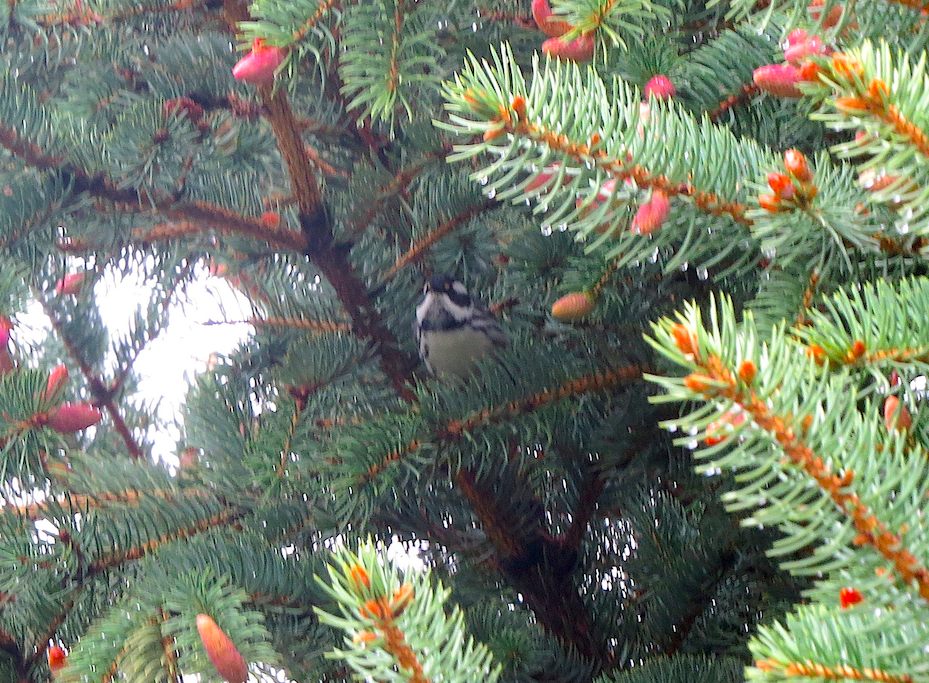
660,87
546,21
581,49
259,65
779,79
221,651
651,214
544,177
70,284
57,379
74,417
6,325
796,54
896,417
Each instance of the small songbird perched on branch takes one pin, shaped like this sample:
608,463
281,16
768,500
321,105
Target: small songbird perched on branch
452,329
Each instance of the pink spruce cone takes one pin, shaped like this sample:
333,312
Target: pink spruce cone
651,214
57,379
896,416
546,21
660,87
74,417
779,79
581,49
6,326
70,284
796,54
259,65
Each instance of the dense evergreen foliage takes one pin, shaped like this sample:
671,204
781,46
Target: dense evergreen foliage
708,462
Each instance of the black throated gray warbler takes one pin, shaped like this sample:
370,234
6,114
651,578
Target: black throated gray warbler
452,329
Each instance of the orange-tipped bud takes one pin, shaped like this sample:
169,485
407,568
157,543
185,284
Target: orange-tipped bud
747,371
403,596
796,164
858,349
779,183
364,637
846,66
849,597
697,383
359,577
272,219
57,659
573,306
817,353
373,609
896,416
769,202
685,339
221,651
809,72
851,106
493,133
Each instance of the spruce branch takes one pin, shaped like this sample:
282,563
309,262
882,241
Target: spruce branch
103,395
331,259
325,6
401,181
170,654
745,95
118,557
854,87
396,624
318,326
416,251
457,429
757,404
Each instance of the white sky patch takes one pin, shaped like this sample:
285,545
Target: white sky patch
168,364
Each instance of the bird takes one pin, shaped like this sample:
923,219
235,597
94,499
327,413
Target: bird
454,330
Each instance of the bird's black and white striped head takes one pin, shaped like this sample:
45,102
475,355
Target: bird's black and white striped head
445,302
453,330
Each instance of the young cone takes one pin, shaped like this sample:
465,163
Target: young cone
651,214
56,659
660,87
546,21
259,65
581,49
70,284
74,417
779,79
896,416
573,306
221,651
57,379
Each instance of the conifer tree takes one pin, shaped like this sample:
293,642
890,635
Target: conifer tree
701,455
